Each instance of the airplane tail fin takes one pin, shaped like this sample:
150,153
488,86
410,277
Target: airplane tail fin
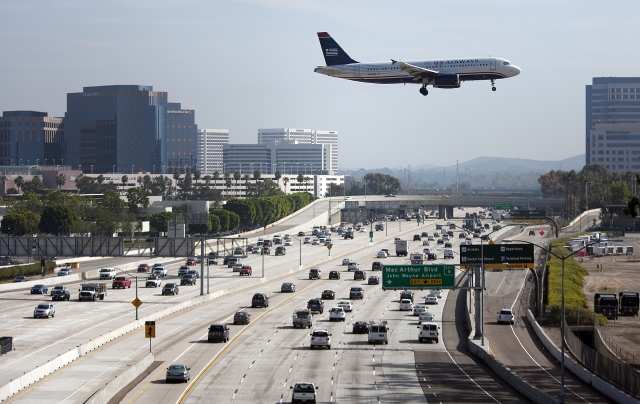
333,53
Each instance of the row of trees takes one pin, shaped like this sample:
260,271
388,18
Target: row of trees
375,184
592,187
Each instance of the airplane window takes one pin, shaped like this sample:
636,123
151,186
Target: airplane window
505,63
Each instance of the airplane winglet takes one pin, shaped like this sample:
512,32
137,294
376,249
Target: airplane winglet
394,61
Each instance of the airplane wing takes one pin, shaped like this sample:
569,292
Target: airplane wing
419,73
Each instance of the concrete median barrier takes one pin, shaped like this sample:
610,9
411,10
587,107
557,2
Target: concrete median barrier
114,386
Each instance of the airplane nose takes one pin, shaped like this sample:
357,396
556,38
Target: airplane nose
515,70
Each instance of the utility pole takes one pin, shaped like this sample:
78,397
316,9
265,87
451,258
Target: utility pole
202,239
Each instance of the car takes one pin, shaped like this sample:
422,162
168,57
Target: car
419,308
426,317
160,271
373,280
334,275
280,250
218,333
20,278
178,373
259,300
246,270
64,271
320,338
236,267
359,276
416,237
378,333
436,292
143,268
448,253
328,295
301,234
287,287
382,254
60,293
353,266
431,299
356,292
314,273
107,273
315,306
347,306
440,241
532,233
302,319
376,266
337,314
241,318
303,393
170,289
188,280
44,310
406,305
191,261
157,265
428,332
153,282
121,282
345,261
39,289
287,243
406,294
360,327
448,245
307,240
505,316
183,270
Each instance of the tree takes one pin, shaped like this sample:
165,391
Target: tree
136,198
124,180
214,223
300,179
100,179
257,175
158,221
244,209
58,220
35,185
19,222
19,181
277,176
60,180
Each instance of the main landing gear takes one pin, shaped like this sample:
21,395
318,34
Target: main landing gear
423,90
493,85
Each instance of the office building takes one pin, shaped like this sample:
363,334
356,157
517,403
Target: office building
30,138
209,150
181,140
615,146
284,158
328,138
611,101
116,128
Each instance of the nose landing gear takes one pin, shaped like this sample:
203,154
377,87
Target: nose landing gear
423,90
493,85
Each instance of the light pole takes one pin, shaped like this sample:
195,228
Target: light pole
136,296
562,258
300,252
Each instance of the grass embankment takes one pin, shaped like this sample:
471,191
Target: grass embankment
576,309
9,273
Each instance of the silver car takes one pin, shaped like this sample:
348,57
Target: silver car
44,310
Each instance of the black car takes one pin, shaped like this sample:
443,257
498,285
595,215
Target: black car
360,327
265,251
416,237
170,289
373,280
315,306
39,290
314,273
188,280
347,235
424,234
328,295
178,373
376,266
218,333
241,318
280,250
259,300
532,233
20,278
60,293
359,276
287,287
334,275
300,234
356,292
406,294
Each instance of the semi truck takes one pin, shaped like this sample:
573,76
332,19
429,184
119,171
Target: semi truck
629,303
92,291
606,304
401,248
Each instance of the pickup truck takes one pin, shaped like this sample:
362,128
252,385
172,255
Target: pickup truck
121,282
107,273
92,291
60,293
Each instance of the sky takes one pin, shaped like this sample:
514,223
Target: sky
248,64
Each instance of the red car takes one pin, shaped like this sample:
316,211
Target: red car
143,268
121,282
245,270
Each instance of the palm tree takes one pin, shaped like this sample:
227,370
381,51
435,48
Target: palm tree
124,180
60,180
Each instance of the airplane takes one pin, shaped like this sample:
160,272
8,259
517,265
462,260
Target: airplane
445,73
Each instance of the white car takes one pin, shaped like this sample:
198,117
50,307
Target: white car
347,306
437,293
406,305
154,282
337,314
307,240
345,261
426,317
160,271
107,273
448,253
287,243
505,316
419,308
44,310
428,332
382,254
320,339
431,299
64,271
304,393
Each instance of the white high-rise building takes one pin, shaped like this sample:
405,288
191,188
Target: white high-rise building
304,136
209,150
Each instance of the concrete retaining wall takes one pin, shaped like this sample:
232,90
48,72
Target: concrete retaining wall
113,387
578,370
579,217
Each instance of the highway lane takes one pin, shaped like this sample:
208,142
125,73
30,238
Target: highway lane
275,267
515,345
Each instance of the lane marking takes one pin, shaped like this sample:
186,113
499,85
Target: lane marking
470,378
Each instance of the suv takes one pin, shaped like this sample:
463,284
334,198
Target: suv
107,273
356,292
245,270
314,273
315,306
153,281
303,392
376,266
353,266
39,290
160,271
183,270
188,280
406,294
337,314
428,332
378,333
280,250
288,287
143,268
334,275
320,339
328,295
505,316
218,333
259,300
170,289
373,280
359,276
60,293
302,319
241,318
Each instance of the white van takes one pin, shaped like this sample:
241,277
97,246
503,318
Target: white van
320,339
378,333
428,332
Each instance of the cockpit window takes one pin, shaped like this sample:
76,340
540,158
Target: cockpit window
505,63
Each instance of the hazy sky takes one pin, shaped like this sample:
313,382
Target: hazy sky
247,64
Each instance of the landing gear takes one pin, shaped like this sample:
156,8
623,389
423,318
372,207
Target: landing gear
423,90
493,85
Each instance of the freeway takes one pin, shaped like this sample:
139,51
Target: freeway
515,345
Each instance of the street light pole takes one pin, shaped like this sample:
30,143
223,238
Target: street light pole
300,252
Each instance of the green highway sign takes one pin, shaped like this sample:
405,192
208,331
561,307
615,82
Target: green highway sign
498,256
503,206
438,276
